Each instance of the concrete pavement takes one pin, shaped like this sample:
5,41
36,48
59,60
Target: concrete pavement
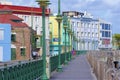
77,69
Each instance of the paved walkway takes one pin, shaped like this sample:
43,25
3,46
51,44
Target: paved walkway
77,69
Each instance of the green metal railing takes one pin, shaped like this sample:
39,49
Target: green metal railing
23,71
32,69
53,63
81,52
62,58
68,56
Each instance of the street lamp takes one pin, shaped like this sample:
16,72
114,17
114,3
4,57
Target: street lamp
59,20
65,24
43,4
77,40
73,40
51,38
65,27
69,33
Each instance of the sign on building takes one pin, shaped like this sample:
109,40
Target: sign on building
55,40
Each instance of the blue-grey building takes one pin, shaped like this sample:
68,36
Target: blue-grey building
5,42
105,35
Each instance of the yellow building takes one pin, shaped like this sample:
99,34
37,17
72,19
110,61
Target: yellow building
54,36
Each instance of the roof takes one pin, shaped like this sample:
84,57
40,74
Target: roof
13,20
25,10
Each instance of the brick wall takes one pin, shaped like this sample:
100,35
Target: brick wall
22,40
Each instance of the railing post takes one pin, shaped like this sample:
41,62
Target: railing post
48,67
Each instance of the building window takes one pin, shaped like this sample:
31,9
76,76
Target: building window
82,34
73,23
13,37
22,51
83,25
96,26
1,52
106,27
25,18
109,35
13,53
1,34
89,25
88,34
102,26
96,34
93,26
109,27
77,24
106,34
103,34
36,19
92,34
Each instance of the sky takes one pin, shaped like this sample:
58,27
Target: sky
108,10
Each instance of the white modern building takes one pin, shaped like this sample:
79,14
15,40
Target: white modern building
89,31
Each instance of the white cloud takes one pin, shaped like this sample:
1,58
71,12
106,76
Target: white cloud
89,0
24,2
112,2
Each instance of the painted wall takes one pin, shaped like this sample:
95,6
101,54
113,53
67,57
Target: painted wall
88,30
5,42
54,29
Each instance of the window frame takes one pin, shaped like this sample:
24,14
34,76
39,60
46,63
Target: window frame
22,51
2,35
13,37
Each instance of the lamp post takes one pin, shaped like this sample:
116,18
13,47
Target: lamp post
65,27
43,4
65,24
51,38
77,40
73,40
71,34
59,20
69,42
78,48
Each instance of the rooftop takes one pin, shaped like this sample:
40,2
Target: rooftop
12,19
25,10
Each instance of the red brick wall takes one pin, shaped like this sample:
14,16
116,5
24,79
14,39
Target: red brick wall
22,40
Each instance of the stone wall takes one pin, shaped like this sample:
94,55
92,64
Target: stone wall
102,64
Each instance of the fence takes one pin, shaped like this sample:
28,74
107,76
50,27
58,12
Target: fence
54,60
27,70
30,69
